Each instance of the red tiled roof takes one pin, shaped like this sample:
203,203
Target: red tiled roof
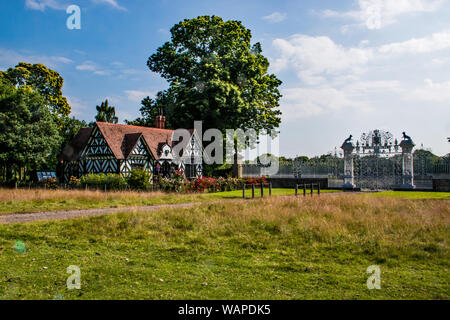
115,134
121,139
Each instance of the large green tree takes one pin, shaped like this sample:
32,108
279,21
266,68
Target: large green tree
44,80
106,113
28,132
216,75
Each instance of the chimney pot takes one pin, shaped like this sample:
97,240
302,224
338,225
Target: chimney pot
160,122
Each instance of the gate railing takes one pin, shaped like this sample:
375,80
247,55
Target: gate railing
370,172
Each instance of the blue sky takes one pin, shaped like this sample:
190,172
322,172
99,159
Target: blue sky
347,66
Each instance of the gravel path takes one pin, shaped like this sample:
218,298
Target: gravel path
72,214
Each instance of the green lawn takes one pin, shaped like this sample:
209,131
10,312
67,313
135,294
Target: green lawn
278,248
412,194
12,201
275,192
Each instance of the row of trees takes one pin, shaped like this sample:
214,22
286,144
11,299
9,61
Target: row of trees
35,122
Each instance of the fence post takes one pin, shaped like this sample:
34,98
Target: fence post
105,187
253,190
296,190
270,189
318,189
243,191
262,190
304,190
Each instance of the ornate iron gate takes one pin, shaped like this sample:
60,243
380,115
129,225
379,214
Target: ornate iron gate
374,173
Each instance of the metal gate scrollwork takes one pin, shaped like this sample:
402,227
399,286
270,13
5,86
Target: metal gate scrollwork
378,161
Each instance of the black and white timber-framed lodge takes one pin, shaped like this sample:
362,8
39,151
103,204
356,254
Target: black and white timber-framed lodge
117,148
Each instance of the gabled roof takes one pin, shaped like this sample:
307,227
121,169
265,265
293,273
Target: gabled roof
121,139
115,134
72,151
129,143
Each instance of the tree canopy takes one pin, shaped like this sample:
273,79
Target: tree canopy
106,113
28,134
46,81
214,75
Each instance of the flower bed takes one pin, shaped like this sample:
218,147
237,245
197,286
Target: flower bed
176,183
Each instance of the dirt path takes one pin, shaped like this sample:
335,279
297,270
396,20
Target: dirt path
72,214
81,213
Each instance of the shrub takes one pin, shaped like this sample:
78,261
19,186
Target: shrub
92,180
176,182
50,183
139,179
115,181
255,180
202,184
74,181
212,185
111,181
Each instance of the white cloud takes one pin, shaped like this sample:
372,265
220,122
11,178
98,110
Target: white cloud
93,67
318,59
431,91
62,59
337,80
41,5
305,102
315,57
329,100
78,106
117,64
87,66
275,17
129,71
137,95
377,14
112,3
437,41
10,58
438,62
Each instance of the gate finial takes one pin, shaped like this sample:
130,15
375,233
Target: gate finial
406,137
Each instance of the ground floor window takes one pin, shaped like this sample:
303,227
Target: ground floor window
190,171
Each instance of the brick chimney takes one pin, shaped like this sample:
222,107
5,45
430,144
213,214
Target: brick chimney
160,122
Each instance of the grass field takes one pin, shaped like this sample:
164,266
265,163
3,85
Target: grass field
277,248
12,200
412,194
